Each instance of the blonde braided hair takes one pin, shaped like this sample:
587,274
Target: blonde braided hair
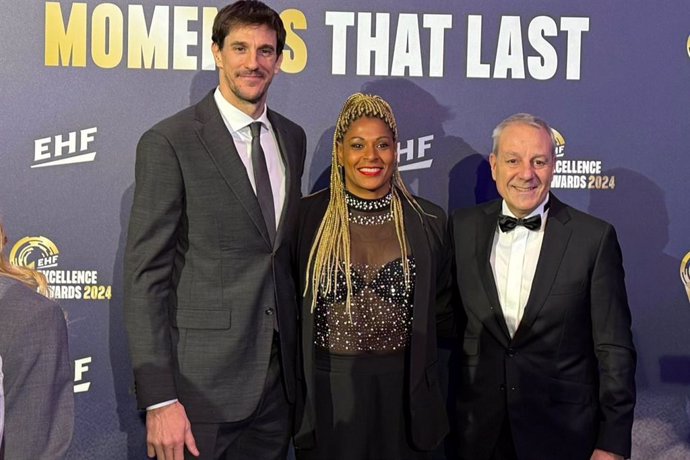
330,252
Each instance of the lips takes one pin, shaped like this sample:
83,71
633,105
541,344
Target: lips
252,76
525,189
372,171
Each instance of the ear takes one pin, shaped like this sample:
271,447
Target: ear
492,162
216,55
279,62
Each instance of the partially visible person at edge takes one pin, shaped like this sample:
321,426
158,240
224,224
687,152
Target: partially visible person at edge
36,386
547,369
210,302
372,267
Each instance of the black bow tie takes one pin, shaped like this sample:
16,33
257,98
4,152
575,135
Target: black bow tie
508,223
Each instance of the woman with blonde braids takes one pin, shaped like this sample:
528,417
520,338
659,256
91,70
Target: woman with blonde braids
373,268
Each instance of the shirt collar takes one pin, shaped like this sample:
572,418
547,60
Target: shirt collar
234,118
541,210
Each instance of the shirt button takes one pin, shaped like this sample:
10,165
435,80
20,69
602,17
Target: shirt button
268,311
502,387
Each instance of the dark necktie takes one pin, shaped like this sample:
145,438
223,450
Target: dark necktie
262,181
508,223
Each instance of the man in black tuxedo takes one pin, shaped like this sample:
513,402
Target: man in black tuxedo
209,300
548,363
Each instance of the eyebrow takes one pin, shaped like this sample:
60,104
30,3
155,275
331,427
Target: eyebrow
378,138
246,45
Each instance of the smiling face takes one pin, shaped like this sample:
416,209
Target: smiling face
368,156
523,166
247,64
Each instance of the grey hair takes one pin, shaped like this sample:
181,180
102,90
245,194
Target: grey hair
526,119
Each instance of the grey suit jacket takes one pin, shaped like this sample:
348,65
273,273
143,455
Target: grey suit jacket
38,386
566,379
203,284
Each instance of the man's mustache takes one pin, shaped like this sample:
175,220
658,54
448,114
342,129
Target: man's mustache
254,73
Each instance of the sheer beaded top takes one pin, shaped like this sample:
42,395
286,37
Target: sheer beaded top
381,305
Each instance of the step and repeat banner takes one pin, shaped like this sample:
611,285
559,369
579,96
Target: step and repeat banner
81,81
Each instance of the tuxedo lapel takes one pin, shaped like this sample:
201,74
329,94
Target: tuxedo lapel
485,232
218,142
556,236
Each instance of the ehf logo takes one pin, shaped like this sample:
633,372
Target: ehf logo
36,252
560,143
413,153
71,148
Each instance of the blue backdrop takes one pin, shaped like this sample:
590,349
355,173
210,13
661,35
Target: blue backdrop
81,81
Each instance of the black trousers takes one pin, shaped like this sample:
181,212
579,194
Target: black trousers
360,404
505,447
264,435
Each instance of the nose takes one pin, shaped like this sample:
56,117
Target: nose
252,60
370,152
526,171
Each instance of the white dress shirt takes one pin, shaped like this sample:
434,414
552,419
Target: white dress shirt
514,257
238,123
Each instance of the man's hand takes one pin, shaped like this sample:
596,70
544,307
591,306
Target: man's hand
168,431
599,454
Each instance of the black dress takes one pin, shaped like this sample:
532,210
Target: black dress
371,387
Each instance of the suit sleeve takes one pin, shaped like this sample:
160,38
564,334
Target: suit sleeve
613,345
445,327
39,394
153,252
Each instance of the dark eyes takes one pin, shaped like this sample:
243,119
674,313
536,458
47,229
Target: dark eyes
380,145
537,163
265,52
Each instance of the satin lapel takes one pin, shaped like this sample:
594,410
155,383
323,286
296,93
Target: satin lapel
484,237
218,142
282,137
556,237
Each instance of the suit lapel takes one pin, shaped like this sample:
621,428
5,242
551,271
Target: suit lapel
485,232
218,142
556,237
421,251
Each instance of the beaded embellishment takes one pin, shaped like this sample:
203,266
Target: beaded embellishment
366,210
361,204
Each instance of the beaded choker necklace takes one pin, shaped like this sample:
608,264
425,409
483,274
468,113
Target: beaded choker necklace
367,208
360,204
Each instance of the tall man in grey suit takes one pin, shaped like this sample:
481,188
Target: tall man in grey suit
547,364
35,375
210,304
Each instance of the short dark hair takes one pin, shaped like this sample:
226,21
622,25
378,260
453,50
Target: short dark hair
247,12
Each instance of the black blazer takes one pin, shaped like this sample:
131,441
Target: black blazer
202,282
427,237
566,379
